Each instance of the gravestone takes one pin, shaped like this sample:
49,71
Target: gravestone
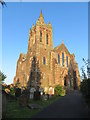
51,91
45,97
37,95
32,90
50,96
41,91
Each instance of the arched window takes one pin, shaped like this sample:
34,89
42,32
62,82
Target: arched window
44,61
62,59
67,60
47,39
58,59
40,36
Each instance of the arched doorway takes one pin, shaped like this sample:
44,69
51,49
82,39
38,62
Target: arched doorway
65,82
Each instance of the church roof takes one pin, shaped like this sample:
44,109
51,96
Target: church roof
61,47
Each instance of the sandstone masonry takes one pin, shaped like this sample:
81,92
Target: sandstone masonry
45,66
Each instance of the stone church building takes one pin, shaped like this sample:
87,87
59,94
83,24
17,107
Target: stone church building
44,66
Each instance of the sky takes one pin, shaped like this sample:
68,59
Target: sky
69,22
89,37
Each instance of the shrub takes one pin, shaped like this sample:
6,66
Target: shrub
12,91
85,88
2,77
17,92
59,91
4,103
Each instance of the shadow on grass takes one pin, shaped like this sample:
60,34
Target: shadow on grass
16,111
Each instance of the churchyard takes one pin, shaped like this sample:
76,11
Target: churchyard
14,110
25,103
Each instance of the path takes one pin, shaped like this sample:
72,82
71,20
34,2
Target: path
70,106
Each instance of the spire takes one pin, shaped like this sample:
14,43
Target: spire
41,17
62,41
41,12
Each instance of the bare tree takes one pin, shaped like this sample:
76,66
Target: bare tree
86,66
3,3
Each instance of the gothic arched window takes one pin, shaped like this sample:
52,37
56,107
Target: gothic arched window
47,39
58,59
40,36
62,59
44,61
67,60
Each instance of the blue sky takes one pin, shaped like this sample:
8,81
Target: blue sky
69,22
89,35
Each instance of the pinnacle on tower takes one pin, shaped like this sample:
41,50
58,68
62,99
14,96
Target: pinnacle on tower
62,41
30,31
41,17
41,13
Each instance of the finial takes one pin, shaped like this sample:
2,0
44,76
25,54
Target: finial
62,41
49,23
30,31
41,13
41,10
41,19
33,26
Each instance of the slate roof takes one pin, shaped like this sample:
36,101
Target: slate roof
61,47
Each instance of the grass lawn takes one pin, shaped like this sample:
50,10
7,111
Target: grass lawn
15,111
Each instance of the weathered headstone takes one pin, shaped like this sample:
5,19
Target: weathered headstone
32,90
34,106
41,91
45,97
36,95
51,91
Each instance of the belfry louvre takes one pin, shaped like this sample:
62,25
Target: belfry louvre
45,66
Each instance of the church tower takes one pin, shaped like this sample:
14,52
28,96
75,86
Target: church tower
40,46
41,34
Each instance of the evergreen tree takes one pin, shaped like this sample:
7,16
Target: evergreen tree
2,77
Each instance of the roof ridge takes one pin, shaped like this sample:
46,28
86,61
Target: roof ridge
59,46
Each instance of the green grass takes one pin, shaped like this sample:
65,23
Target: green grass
15,111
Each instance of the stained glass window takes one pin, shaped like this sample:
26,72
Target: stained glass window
62,59
67,60
44,61
40,36
58,59
47,38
